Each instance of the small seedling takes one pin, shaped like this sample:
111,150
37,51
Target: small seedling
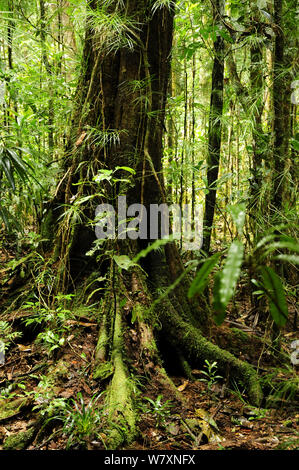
159,410
210,374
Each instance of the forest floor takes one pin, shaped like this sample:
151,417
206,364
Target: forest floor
210,416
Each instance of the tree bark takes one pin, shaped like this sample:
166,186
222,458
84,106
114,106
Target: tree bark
215,128
281,104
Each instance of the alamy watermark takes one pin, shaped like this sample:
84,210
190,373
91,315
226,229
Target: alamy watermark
153,223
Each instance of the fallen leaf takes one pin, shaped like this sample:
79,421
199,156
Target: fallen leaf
80,139
196,372
23,348
182,387
203,414
67,393
173,429
81,323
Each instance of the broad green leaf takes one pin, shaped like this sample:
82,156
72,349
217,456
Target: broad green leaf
295,144
225,286
281,245
126,168
5,163
103,175
124,262
275,293
273,237
82,200
18,162
201,279
294,259
264,240
238,213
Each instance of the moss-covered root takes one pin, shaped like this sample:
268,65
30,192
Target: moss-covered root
102,368
20,440
120,395
196,348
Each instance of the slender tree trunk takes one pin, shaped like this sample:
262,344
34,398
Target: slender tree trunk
281,104
10,33
49,70
193,141
184,145
215,128
258,145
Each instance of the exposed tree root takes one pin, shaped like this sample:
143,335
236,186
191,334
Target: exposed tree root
197,349
120,395
102,368
182,335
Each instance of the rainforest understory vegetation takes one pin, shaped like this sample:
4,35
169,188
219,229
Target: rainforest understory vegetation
185,341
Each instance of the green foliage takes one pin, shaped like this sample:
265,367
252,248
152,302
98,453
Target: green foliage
238,214
158,4
81,422
12,167
210,374
201,279
13,390
257,413
7,335
51,340
226,283
11,163
55,322
270,248
158,409
114,29
283,386
274,291
268,282
124,262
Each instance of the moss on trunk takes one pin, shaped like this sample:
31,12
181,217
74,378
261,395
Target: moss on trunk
120,396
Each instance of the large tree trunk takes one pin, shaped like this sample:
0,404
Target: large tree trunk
125,90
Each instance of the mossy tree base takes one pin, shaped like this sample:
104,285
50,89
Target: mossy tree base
115,356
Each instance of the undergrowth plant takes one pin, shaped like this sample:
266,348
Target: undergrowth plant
81,422
273,248
159,409
54,320
7,336
210,374
283,387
